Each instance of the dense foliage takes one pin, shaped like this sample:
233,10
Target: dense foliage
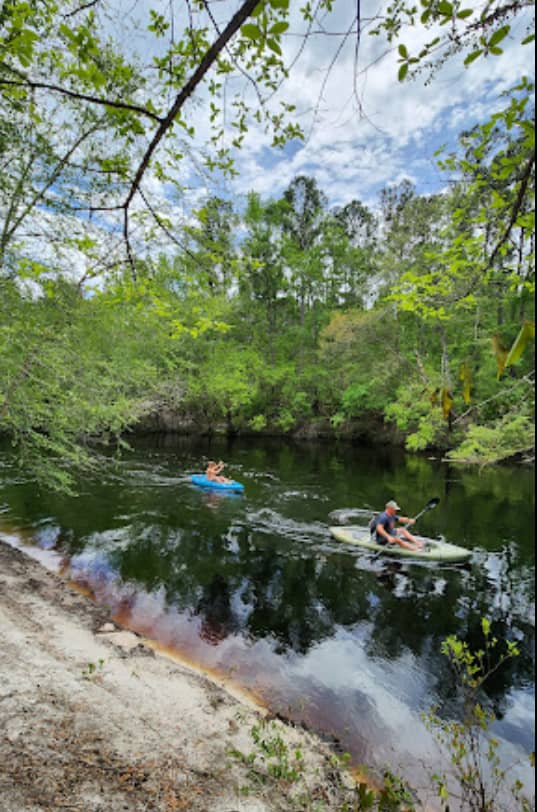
279,314
346,321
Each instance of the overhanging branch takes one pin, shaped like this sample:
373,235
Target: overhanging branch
24,81
517,207
207,62
166,123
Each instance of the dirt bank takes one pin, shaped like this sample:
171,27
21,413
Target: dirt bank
91,719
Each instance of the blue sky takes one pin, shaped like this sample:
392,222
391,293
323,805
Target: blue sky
352,150
355,156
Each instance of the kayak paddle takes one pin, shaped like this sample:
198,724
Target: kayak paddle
431,504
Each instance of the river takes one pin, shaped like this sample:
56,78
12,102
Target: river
253,587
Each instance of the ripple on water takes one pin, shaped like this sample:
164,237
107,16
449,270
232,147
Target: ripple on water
270,521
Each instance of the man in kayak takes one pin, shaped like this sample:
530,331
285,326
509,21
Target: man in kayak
384,528
214,469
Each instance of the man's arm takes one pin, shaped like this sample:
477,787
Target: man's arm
381,530
406,520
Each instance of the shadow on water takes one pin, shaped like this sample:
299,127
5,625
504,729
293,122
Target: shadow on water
253,586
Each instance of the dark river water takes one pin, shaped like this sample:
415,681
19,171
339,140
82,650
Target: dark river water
253,587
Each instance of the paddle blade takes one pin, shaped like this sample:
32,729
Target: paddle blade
429,506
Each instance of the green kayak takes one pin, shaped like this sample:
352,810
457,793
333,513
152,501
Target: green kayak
433,550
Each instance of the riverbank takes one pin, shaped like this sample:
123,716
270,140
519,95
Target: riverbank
371,428
484,448
92,719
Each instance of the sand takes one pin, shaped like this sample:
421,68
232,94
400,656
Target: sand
93,719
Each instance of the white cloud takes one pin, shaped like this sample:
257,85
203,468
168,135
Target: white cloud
353,155
361,135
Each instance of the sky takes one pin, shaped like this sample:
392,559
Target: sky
354,153
364,129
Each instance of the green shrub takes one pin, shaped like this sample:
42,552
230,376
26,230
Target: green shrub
476,780
258,422
513,434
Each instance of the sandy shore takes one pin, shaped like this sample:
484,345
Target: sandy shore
92,719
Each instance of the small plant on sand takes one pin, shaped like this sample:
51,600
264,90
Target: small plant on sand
93,670
271,756
393,796
477,782
271,760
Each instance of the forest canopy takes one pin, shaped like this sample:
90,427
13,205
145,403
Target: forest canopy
275,313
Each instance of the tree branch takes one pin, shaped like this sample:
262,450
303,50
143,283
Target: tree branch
527,379
39,195
82,8
526,175
207,62
116,105
233,61
163,226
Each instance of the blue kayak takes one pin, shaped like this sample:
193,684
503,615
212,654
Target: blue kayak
203,482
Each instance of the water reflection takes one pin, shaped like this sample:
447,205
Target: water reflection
254,586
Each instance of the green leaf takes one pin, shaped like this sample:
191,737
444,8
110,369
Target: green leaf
279,28
403,70
526,333
526,220
498,36
251,31
465,13
528,40
403,51
445,9
473,56
274,46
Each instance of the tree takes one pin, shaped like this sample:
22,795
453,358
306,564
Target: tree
349,264
262,279
358,222
304,213
131,113
303,217
97,148
213,253
456,28
74,369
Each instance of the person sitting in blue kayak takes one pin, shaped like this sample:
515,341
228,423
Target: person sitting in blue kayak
214,469
384,528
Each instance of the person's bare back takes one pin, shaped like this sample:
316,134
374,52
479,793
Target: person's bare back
214,470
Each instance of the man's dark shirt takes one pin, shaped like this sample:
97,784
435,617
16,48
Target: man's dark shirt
388,522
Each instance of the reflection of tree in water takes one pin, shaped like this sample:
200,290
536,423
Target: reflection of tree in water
212,563
300,600
423,610
284,604
214,606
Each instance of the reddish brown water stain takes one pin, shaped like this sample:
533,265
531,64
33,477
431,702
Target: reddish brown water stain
185,647
81,588
205,646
